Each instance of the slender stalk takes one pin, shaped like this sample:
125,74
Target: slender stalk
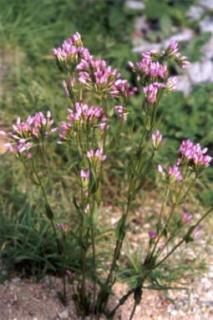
131,194
184,238
64,289
121,302
83,262
120,239
133,311
94,258
165,225
58,242
171,212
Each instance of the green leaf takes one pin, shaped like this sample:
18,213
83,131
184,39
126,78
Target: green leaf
49,212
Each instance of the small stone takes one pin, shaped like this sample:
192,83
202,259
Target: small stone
184,36
16,280
183,84
207,4
208,49
140,25
195,13
206,25
114,221
146,46
135,5
201,72
64,314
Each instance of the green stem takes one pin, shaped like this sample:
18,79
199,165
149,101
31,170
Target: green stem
188,233
133,310
165,225
94,256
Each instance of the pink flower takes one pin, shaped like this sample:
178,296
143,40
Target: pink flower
152,234
96,155
151,91
174,173
160,170
186,217
29,133
196,234
64,130
194,152
184,62
122,88
71,50
171,83
156,139
149,68
173,51
80,116
96,72
85,174
120,111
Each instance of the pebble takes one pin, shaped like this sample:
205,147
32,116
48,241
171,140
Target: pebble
206,25
183,84
201,72
207,4
140,25
16,280
64,314
208,49
195,13
184,36
145,46
135,5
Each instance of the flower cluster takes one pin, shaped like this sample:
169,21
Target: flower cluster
146,67
71,50
81,115
152,71
186,217
175,173
151,91
96,155
29,133
122,88
194,153
173,51
95,73
120,111
156,139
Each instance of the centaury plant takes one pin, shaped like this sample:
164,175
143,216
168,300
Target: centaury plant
98,97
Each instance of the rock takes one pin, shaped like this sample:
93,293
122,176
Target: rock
195,13
207,4
183,84
64,314
16,280
201,72
140,25
208,49
184,36
135,5
144,46
206,25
